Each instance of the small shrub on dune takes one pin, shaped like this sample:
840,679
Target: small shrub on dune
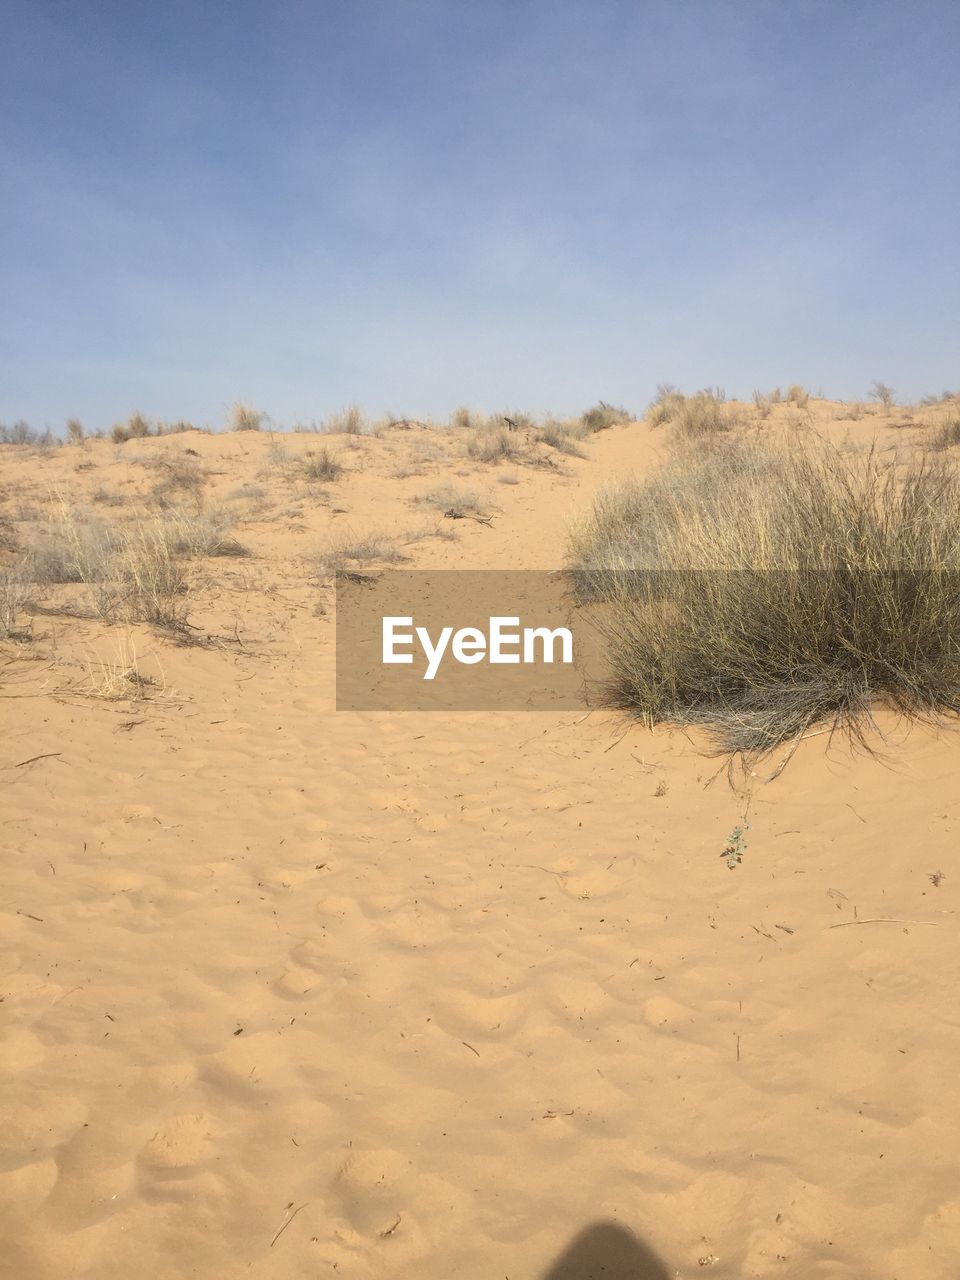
244,417
200,535
348,422
702,414
357,549
603,416
760,588
447,497
883,395
666,406
947,434
14,595
464,419
321,465
75,431
494,445
560,436
798,395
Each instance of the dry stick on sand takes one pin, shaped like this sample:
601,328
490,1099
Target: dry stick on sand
286,1222
881,920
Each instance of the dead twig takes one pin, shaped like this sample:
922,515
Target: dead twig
286,1222
842,924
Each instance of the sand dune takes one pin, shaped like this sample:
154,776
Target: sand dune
291,992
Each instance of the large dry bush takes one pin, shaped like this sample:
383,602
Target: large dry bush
758,588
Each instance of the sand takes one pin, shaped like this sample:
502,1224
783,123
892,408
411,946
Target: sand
290,992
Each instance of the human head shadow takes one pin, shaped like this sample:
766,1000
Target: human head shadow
607,1251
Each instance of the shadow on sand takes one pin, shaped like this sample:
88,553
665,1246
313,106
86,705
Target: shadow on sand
606,1251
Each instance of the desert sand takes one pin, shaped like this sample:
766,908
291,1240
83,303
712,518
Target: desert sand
292,992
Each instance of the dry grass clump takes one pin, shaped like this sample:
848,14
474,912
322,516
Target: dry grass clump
562,436
136,427
447,497
351,548
464,419
118,678
494,444
131,573
201,534
603,416
703,414
14,596
179,478
348,422
947,434
321,465
244,417
759,588
798,395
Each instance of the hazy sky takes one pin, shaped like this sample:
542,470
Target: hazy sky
414,204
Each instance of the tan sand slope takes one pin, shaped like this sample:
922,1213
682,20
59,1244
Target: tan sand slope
296,993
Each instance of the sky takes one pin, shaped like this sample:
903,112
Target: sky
418,204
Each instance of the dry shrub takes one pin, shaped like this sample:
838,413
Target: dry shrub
348,422
351,548
131,573
883,395
464,419
14,595
178,478
447,497
201,534
244,417
603,416
798,395
758,588
562,436
947,434
763,404
136,427
321,465
700,415
495,444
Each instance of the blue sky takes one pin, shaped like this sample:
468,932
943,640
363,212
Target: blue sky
414,204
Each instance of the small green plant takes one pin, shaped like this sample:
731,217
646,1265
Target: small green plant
736,845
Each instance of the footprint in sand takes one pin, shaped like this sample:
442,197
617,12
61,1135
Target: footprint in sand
372,1188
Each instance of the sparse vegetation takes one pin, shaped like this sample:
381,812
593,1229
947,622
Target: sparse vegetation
352,548
465,502
244,417
883,395
759,588
14,595
603,416
348,422
321,465
702,414
798,395
496,444
947,434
